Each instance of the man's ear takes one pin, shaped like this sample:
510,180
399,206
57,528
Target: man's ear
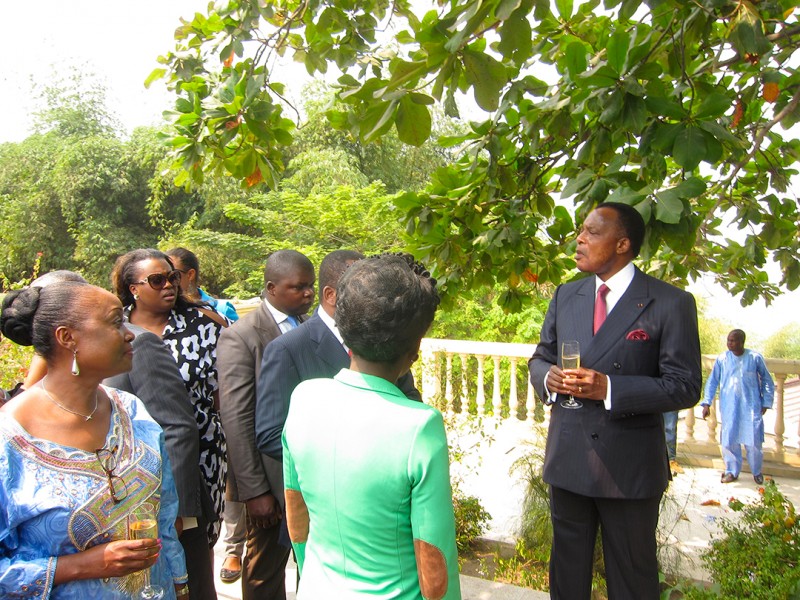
269,288
623,245
329,295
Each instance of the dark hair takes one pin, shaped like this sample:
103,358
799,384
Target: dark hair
283,263
333,265
739,333
31,316
384,305
188,259
59,276
631,223
124,274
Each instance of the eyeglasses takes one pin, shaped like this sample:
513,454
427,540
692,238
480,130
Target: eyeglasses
108,462
157,281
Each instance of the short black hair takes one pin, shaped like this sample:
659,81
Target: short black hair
631,223
333,265
384,305
282,263
59,276
739,333
31,316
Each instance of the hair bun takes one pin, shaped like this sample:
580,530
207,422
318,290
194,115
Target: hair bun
16,320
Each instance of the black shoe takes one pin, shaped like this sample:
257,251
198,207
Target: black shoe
759,479
230,575
728,478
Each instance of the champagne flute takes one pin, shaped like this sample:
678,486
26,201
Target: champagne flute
571,359
143,524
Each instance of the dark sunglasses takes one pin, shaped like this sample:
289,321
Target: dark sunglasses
116,485
157,281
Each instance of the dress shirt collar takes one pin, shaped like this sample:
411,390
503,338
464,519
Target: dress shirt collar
282,319
331,324
617,285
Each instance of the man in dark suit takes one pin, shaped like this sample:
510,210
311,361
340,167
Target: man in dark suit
253,478
155,379
606,462
313,350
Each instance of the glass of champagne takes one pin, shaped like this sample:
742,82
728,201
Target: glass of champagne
571,359
143,524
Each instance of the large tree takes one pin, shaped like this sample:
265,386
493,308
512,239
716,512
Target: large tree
679,108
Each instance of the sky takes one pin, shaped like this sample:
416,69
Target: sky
119,42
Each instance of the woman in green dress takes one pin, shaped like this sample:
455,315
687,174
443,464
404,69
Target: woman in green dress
368,499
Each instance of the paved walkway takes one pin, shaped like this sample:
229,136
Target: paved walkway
694,505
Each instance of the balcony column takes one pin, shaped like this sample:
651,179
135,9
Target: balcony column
497,401
514,404
449,403
430,383
689,422
480,394
464,385
780,425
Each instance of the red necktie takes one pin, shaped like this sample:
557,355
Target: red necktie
600,306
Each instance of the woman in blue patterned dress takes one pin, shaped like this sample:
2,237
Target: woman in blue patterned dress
76,458
149,288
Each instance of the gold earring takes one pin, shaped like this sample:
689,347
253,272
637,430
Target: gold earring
75,369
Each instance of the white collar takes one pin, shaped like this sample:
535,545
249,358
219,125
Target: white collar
330,323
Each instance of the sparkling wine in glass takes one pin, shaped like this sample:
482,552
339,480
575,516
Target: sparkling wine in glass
143,524
570,359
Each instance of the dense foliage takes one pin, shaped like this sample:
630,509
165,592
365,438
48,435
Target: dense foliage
678,108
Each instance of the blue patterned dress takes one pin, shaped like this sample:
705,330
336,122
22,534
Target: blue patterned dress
54,500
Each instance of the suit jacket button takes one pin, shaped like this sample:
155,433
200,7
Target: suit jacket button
617,365
595,436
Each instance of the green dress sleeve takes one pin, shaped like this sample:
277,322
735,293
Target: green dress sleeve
432,519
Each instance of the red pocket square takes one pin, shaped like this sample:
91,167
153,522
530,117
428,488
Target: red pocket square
637,335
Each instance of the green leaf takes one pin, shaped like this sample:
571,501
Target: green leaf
665,107
413,122
516,37
634,114
691,188
617,51
486,76
689,148
575,54
669,206
564,8
377,119
713,105
154,75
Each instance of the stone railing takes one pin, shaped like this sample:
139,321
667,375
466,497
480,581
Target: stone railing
491,378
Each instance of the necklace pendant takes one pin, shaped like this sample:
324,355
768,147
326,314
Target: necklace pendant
89,418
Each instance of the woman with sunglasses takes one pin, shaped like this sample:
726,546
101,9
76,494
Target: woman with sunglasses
149,287
77,457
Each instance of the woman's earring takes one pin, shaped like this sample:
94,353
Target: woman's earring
75,369
136,296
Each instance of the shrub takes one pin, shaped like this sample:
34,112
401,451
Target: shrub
471,519
758,555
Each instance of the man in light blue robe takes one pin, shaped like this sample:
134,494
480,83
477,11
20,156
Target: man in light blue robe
746,392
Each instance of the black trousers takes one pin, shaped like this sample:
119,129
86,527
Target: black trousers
264,564
628,529
199,562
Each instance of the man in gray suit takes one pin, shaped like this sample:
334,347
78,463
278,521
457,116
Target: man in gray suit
313,350
155,379
606,461
253,478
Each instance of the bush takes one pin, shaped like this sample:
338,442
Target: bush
471,519
758,555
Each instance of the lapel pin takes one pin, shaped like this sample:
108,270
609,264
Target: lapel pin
640,305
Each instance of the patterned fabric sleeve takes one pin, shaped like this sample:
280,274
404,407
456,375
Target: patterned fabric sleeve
20,576
432,520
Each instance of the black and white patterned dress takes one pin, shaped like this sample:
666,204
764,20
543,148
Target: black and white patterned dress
191,337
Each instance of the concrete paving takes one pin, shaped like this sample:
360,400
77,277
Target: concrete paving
693,508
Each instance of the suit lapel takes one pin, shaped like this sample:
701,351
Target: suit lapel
265,324
627,310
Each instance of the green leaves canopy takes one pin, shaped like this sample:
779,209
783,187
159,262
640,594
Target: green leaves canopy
671,106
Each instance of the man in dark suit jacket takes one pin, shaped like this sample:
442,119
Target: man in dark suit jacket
253,478
313,350
155,379
606,462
